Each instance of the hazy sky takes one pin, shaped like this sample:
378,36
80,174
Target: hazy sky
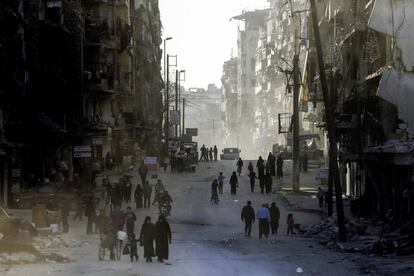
202,35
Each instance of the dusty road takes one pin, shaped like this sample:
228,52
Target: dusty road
207,239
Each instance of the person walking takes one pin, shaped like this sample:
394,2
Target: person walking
147,239
248,217
305,161
203,153
101,222
252,176
158,190
143,171
90,213
250,168
215,151
274,218
279,166
118,219
268,183
290,223
260,167
239,166
117,196
272,164
234,183
321,196
64,212
147,195
162,239
263,215
79,208
130,219
210,154
214,193
138,195
220,179
133,248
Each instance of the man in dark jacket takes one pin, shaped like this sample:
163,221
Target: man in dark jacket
248,216
90,213
274,218
143,171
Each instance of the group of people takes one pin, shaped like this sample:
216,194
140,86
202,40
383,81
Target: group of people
208,154
268,218
160,233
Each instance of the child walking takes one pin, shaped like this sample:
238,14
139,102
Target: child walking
133,248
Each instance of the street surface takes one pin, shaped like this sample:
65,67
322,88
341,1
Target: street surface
207,239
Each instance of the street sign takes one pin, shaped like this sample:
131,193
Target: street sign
82,151
191,131
151,162
322,173
175,117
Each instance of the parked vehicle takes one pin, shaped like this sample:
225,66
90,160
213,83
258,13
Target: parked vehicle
230,154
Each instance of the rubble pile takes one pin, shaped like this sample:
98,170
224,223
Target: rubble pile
54,242
18,258
364,237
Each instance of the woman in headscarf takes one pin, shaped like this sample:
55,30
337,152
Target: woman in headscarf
162,238
147,239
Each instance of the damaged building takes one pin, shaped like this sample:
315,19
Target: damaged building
73,77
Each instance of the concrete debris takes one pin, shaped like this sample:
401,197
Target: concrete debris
57,242
18,258
363,237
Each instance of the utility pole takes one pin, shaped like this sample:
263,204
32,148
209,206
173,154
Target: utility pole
214,133
183,128
330,119
177,77
167,106
295,117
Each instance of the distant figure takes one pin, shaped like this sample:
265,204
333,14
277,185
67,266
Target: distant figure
263,215
210,154
65,217
147,194
147,239
138,196
260,167
248,217
221,182
215,151
90,213
279,166
250,167
214,193
271,159
274,218
252,176
130,219
108,161
305,160
234,183
268,183
158,190
162,238
321,196
117,196
239,166
143,171
290,223
203,153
